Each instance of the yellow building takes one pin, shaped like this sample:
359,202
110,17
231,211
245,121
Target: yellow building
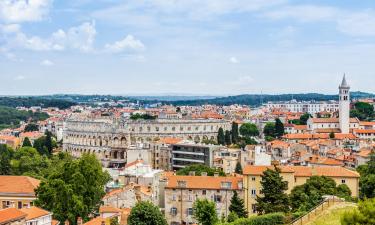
295,175
17,191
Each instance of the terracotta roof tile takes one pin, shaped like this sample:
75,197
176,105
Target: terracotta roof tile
18,185
11,214
34,212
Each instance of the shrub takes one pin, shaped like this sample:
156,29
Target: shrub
268,219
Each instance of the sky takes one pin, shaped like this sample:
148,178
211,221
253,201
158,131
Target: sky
192,47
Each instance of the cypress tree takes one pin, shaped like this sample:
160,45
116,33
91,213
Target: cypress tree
234,133
26,142
228,138
238,168
221,137
279,128
237,206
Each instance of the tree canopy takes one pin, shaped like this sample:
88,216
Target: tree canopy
205,212
273,198
234,132
6,155
198,169
31,127
237,206
365,214
221,136
249,130
367,179
10,117
307,196
363,111
74,188
145,213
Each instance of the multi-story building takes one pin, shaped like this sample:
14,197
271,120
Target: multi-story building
17,191
182,191
185,154
311,107
295,175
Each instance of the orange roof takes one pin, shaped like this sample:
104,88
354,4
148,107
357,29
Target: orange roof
109,209
300,127
34,134
363,131
203,182
366,123
327,130
134,163
10,214
34,212
304,171
364,153
170,140
332,120
18,185
8,138
97,221
55,222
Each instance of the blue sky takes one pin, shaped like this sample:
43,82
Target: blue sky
215,47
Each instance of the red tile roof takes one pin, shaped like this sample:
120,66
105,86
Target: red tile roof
35,212
18,185
203,182
11,214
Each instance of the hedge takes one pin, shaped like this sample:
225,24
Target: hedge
269,219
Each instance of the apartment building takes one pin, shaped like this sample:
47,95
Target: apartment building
295,175
182,191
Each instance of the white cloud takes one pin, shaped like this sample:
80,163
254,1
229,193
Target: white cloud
233,60
129,43
20,77
47,62
81,37
357,24
10,28
24,10
354,23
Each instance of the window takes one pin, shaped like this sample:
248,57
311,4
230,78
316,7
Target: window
217,198
173,211
253,178
173,197
253,192
343,181
20,205
204,192
190,211
254,208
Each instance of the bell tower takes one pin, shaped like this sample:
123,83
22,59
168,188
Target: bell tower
344,106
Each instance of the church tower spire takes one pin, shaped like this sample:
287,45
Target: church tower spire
344,106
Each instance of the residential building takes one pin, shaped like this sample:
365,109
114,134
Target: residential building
17,191
185,154
182,191
12,216
37,216
295,175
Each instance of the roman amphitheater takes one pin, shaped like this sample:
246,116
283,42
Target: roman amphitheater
109,138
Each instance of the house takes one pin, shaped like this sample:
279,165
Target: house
295,175
11,141
182,191
17,191
12,216
37,216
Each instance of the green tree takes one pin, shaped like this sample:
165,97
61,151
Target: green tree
228,138
6,154
232,217
237,206
365,214
249,130
363,111
48,143
26,142
238,168
234,132
114,221
145,213
221,137
205,212
31,127
269,130
74,188
367,178
273,199
307,196
303,119
279,128
27,161
198,169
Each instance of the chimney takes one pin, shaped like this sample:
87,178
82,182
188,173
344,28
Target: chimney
79,221
191,173
66,222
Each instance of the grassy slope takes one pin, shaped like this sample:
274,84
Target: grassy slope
333,215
